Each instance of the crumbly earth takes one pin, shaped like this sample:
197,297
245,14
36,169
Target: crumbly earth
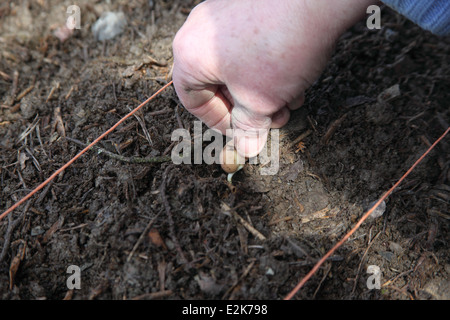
165,231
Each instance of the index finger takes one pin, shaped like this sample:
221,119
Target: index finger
208,104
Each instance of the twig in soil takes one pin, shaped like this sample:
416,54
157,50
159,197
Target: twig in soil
114,90
247,225
325,274
169,213
332,129
158,112
301,137
5,76
38,134
35,161
169,148
274,222
141,237
11,226
30,128
69,93
144,127
138,160
15,263
24,92
170,73
390,281
73,228
244,274
371,242
43,194
52,91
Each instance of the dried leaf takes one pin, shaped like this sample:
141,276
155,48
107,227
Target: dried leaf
53,229
156,238
22,159
15,263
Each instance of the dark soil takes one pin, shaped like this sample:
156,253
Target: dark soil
165,231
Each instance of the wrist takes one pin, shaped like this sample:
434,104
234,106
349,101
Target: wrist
334,17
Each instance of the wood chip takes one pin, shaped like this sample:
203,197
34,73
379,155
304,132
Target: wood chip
325,213
15,263
57,225
156,238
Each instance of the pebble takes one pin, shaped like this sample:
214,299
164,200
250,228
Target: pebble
395,247
28,108
387,255
389,94
379,211
38,230
109,25
270,272
169,244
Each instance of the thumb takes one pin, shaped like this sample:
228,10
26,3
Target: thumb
250,130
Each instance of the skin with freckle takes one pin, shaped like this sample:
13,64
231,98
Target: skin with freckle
244,64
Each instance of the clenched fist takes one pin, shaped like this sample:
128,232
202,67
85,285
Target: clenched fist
244,64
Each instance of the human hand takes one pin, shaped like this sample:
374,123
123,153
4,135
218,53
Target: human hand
244,64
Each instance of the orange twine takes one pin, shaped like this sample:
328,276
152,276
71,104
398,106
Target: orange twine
53,176
364,217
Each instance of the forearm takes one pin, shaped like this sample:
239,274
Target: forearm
432,15
340,14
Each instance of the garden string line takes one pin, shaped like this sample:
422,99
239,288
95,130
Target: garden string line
318,264
43,184
364,217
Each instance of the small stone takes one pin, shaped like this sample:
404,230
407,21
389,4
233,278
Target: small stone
109,25
169,244
379,211
38,230
387,255
389,94
27,108
395,247
270,272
